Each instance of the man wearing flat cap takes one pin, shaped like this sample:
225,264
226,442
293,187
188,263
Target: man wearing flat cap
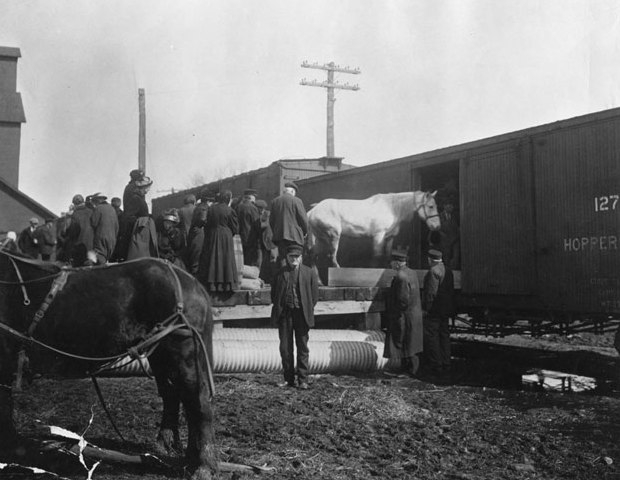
294,294
439,305
104,221
248,217
404,337
288,219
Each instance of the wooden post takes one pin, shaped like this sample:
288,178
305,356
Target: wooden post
142,132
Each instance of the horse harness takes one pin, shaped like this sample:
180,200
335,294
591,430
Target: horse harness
176,323
426,215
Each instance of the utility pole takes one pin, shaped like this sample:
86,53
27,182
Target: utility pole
142,132
330,85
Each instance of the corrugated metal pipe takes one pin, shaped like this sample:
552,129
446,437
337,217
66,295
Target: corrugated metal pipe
331,351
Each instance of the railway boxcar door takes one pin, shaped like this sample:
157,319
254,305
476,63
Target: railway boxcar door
577,178
497,241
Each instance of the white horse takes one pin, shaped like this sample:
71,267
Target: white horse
378,217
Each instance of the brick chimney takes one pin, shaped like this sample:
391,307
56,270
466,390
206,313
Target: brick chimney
11,116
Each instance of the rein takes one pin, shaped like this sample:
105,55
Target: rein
176,323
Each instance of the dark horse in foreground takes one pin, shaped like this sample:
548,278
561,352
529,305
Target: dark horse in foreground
103,312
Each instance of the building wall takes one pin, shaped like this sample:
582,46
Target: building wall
14,214
10,134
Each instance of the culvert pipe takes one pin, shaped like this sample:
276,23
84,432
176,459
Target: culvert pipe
315,334
254,356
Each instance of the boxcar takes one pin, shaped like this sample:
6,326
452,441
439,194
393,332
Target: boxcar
539,212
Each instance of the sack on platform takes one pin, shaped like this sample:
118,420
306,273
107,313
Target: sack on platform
251,284
250,272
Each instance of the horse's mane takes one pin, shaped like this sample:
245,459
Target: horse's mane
41,264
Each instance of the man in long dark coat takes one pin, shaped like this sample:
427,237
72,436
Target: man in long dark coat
27,242
248,216
186,212
104,221
196,235
46,239
439,306
80,233
404,338
288,219
294,294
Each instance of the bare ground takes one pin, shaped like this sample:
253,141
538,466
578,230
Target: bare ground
476,424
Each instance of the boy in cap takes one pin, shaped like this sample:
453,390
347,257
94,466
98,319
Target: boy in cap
294,294
403,314
438,304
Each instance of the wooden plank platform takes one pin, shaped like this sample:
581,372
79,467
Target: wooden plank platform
339,307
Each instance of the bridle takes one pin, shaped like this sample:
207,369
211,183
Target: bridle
423,205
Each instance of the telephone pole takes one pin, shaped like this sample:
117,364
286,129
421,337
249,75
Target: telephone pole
330,85
142,131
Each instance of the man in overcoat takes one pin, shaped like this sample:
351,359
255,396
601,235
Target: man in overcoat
248,216
294,294
439,305
46,239
288,219
104,221
404,337
27,242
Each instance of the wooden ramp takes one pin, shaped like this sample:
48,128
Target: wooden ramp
373,277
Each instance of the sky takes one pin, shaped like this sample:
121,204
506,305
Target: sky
222,81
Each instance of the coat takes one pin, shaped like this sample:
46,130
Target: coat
439,291
27,244
288,219
195,238
186,213
46,240
403,313
308,293
104,221
218,270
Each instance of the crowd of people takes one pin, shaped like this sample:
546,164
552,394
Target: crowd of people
199,236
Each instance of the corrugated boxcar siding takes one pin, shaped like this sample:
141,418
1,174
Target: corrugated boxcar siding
577,246
496,223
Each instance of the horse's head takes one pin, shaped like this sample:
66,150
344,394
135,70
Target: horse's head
427,209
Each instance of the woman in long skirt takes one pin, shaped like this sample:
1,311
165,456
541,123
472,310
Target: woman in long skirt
218,270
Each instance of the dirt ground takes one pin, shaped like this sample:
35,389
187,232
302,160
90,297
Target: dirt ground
478,423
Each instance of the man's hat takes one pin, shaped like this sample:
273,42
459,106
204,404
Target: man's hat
207,195
434,254
294,249
171,215
261,204
189,199
292,185
400,255
34,220
98,196
49,220
77,199
250,191
144,182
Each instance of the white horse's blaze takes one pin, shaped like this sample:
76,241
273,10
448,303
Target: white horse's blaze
378,217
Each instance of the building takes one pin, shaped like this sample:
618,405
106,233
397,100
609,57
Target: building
268,181
17,207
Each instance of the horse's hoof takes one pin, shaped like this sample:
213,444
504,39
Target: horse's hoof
202,473
169,443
